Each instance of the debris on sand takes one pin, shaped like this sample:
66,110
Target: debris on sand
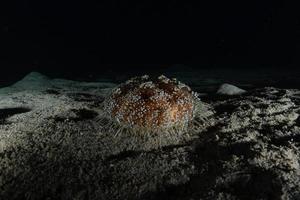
228,89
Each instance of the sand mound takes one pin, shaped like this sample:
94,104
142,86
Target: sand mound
52,146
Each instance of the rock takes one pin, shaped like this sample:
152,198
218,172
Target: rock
228,89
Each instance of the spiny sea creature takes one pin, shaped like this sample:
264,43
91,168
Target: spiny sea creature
144,104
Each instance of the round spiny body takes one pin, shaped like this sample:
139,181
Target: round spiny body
152,104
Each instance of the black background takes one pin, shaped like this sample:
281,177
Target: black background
76,38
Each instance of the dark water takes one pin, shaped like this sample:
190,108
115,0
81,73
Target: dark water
204,79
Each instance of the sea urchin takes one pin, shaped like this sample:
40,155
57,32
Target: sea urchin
145,104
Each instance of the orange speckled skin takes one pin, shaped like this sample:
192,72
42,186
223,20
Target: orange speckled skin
151,103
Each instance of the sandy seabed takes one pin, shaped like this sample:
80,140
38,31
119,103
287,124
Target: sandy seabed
52,146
